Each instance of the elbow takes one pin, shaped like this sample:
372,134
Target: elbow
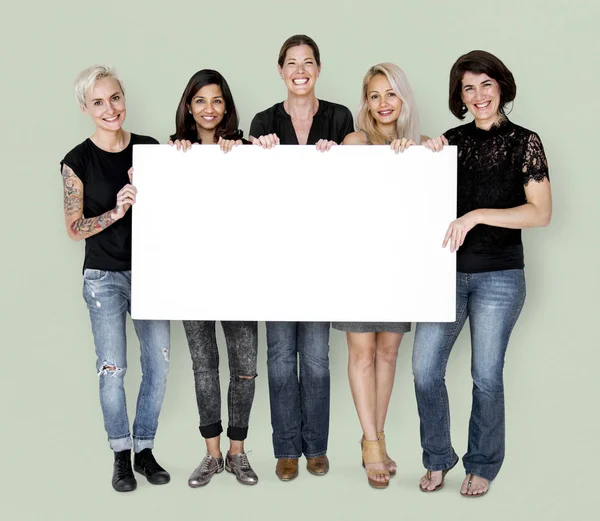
73,234
545,219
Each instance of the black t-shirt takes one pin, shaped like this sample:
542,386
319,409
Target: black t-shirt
494,166
103,174
332,122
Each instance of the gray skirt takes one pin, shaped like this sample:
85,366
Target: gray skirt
372,327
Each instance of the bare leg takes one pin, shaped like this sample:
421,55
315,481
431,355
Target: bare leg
236,447
386,354
213,446
361,373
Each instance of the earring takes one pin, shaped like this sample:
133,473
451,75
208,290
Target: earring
189,111
464,107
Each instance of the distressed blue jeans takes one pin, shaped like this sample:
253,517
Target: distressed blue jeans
108,297
492,301
299,399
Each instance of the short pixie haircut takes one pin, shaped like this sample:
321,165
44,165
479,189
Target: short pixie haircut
295,41
480,62
87,78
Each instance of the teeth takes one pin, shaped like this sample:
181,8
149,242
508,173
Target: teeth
300,81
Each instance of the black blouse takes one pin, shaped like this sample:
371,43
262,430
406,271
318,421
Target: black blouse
332,122
494,166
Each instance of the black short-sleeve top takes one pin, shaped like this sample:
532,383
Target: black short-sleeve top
332,122
494,166
103,174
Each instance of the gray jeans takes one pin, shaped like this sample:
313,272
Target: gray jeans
242,346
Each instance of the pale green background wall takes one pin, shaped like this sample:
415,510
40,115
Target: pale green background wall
55,462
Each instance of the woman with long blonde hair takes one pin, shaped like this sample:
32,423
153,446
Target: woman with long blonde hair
387,116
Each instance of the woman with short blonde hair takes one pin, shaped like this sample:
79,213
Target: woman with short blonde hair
97,196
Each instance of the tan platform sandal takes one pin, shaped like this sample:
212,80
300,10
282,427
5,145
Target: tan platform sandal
386,459
371,453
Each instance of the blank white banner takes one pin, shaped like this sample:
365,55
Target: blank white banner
353,234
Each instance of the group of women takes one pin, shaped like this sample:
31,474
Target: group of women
503,186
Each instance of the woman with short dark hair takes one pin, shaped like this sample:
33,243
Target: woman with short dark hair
300,402
503,186
206,115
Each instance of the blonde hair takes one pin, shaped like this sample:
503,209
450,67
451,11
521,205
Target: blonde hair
407,124
87,78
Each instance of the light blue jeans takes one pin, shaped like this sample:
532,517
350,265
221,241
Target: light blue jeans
492,301
108,297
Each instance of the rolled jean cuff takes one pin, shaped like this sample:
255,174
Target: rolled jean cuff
139,444
316,454
443,466
120,444
237,433
212,430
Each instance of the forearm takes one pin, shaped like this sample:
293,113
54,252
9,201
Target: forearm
84,228
527,215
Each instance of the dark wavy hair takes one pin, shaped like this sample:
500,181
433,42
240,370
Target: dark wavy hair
480,62
185,125
296,40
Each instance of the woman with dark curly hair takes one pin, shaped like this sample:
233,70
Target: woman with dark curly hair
503,186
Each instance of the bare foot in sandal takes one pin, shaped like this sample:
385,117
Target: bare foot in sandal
431,480
390,464
474,485
377,474
383,476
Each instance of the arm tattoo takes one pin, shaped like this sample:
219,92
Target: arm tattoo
73,204
93,224
73,201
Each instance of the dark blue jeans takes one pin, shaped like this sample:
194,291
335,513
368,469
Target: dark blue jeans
299,401
492,301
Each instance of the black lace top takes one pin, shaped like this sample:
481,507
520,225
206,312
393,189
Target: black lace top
494,166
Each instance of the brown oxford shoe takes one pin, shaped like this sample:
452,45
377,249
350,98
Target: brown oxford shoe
287,468
318,466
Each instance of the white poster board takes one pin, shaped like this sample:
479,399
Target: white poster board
293,234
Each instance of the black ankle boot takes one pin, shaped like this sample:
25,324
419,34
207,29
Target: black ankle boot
123,479
144,463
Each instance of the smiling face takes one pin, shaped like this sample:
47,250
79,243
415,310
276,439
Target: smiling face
105,103
481,96
383,103
208,107
300,70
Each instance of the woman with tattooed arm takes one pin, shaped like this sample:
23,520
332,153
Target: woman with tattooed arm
97,197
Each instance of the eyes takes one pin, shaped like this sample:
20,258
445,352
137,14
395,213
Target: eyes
198,101
114,99
292,63
485,85
387,95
